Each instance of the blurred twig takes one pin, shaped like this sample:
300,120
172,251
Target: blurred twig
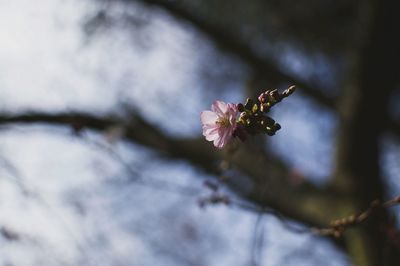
137,178
257,244
339,226
335,229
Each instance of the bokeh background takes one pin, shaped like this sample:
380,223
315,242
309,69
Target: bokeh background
102,161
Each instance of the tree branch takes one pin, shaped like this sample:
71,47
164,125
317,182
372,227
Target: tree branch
363,119
339,226
233,45
336,228
306,203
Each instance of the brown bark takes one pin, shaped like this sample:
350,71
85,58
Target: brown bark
363,116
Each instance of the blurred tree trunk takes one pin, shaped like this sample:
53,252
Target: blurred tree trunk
363,114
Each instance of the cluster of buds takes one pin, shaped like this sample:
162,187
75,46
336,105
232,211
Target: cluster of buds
227,120
253,118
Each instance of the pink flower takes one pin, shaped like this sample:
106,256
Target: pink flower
219,123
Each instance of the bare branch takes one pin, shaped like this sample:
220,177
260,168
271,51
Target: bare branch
233,45
336,227
305,203
339,226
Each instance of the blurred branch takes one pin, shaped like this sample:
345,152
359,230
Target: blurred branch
14,176
217,198
339,226
336,227
230,43
304,203
135,177
257,245
9,234
358,167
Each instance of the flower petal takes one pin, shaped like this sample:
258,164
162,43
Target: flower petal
218,143
225,136
232,119
219,107
232,107
210,130
212,137
208,117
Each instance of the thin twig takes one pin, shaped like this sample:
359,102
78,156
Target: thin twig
339,226
335,229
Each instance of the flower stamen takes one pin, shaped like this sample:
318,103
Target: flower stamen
223,121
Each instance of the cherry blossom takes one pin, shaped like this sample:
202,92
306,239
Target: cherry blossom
219,124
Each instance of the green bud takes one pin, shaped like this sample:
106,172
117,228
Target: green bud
254,109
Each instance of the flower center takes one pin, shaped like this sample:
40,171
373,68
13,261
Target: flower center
223,121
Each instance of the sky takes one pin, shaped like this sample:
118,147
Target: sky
69,200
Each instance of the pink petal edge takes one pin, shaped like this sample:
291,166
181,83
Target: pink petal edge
208,117
219,107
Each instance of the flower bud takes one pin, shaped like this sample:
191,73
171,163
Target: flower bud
269,121
274,96
264,107
270,133
249,104
240,107
263,97
254,109
243,116
289,91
